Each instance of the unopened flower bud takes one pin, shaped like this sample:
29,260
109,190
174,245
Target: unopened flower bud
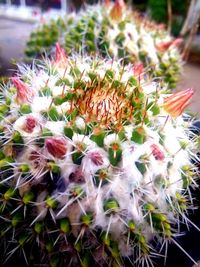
138,69
24,92
157,153
176,103
30,124
61,58
116,12
56,146
165,45
177,42
107,2
96,158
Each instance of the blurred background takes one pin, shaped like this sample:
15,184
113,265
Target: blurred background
182,18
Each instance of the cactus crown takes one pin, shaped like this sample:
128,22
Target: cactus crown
94,163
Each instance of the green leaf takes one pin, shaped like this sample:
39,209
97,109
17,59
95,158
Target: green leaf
25,109
59,100
5,163
17,138
114,156
141,167
154,108
53,114
68,132
98,139
65,225
77,157
9,193
3,108
16,219
138,136
110,205
22,239
75,72
54,168
38,227
45,91
28,196
24,168
51,202
109,75
87,218
62,82
120,38
122,135
86,260
132,81
2,155
93,76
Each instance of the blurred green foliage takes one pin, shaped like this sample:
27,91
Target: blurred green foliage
157,9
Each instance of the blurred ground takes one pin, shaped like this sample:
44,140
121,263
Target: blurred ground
13,36
190,78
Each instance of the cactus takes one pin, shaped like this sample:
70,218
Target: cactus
113,30
94,164
45,36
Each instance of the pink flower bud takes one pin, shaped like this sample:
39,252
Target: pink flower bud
157,153
24,92
177,42
61,58
96,158
56,146
138,69
30,124
117,10
176,103
107,2
163,46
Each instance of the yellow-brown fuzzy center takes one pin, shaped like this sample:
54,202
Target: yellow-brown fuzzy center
105,106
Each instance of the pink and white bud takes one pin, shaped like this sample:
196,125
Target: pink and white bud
157,153
138,69
60,57
24,92
30,124
96,158
56,146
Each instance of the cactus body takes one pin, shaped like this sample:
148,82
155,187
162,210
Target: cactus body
94,164
113,30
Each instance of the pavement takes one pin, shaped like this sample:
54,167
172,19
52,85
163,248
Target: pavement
13,37
190,78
